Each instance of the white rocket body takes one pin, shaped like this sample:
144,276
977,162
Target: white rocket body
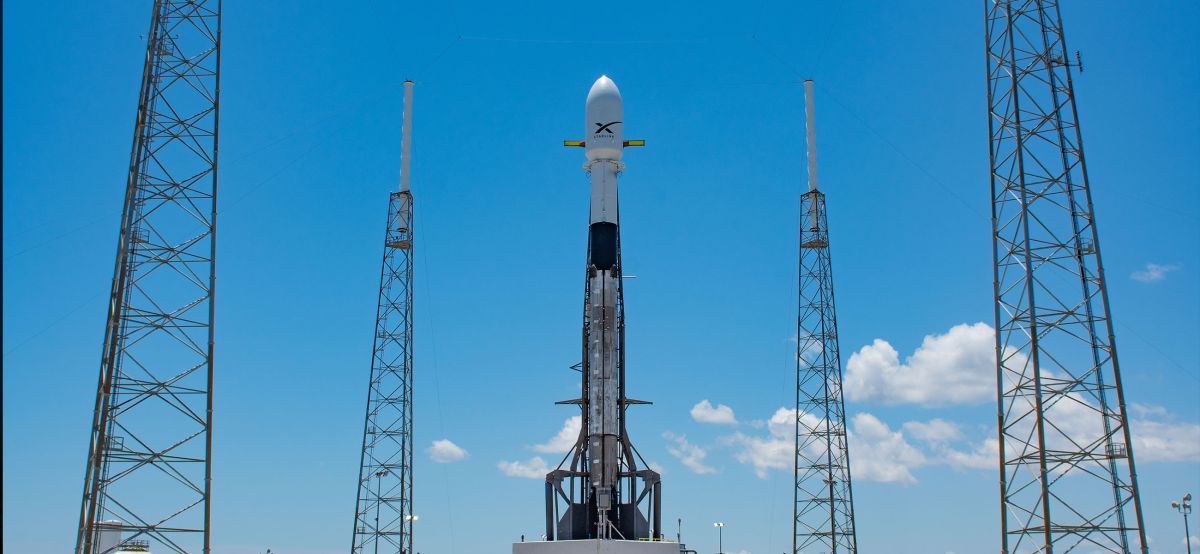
604,146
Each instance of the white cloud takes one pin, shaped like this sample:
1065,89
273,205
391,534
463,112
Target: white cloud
883,454
880,454
704,412
533,468
1144,410
443,451
958,367
943,441
691,455
1165,441
564,440
1157,436
775,451
1153,272
983,455
1076,420
936,431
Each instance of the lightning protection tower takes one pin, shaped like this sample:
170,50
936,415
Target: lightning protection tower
383,519
1067,470
148,468
823,518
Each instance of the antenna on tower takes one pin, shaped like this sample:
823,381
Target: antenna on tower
406,137
810,128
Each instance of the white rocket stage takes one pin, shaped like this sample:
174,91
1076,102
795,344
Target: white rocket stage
595,546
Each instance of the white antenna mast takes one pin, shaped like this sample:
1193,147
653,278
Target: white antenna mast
810,126
406,137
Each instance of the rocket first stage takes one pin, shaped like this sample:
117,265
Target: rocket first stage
602,489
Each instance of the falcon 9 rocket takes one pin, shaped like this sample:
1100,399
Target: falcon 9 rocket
601,487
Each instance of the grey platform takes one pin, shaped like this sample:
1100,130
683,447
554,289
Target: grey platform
593,546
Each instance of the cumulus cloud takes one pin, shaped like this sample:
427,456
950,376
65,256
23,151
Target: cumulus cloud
1165,441
691,455
1076,420
443,451
958,367
936,431
1145,410
1158,436
533,468
983,455
774,451
880,454
704,412
564,440
884,454
1153,272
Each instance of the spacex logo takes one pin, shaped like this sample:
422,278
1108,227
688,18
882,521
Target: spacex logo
605,127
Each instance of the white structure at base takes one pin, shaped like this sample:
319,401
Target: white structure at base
110,536
596,546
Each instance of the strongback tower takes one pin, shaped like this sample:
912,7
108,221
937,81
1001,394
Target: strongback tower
823,517
148,467
383,517
1067,470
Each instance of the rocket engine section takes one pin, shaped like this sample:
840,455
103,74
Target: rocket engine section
607,486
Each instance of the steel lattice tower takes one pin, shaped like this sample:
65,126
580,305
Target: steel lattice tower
824,502
383,518
149,458
1067,468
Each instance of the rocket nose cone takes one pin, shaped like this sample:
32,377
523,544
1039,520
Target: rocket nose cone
603,126
602,88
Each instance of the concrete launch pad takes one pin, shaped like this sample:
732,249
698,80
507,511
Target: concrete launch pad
594,546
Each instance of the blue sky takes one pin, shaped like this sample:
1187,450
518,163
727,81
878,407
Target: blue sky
310,142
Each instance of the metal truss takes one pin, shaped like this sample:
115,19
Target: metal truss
824,502
1068,481
148,468
383,517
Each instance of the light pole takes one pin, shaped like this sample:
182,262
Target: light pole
1184,507
720,525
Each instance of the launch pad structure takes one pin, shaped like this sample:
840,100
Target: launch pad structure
1068,477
